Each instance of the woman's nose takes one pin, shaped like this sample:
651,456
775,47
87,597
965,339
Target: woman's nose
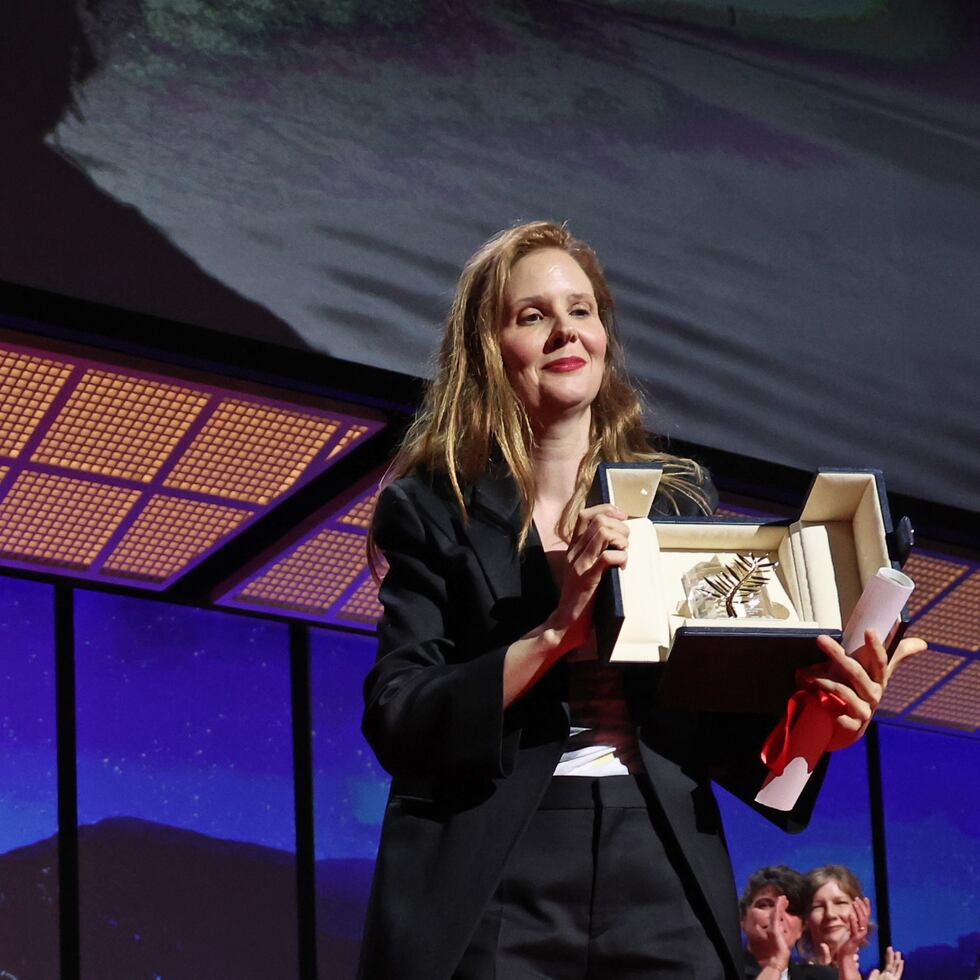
562,332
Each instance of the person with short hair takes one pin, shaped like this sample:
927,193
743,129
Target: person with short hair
771,910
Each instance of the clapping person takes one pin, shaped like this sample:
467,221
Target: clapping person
771,911
839,924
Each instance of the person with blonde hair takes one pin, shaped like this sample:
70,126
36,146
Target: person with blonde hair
771,912
839,924
545,818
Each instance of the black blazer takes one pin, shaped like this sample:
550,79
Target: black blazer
797,971
468,775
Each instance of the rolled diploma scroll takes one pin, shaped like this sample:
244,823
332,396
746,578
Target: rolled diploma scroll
795,746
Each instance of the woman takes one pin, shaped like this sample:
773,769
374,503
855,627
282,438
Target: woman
490,864
771,911
839,924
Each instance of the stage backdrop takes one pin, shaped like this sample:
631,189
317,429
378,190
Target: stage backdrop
786,196
185,802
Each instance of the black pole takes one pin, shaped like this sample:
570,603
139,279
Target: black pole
299,666
878,849
64,644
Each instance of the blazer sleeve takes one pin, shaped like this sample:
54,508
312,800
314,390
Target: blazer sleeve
430,708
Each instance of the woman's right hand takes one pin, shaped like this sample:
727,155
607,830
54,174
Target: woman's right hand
858,923
599,541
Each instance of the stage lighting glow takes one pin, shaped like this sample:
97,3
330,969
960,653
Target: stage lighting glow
348,439
360,514
28,386
251,451
169,533
312,577
118,473
59,520
931,576
955,621
363,605
119,425
956,704
916,676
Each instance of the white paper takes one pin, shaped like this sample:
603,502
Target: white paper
880,605
781,792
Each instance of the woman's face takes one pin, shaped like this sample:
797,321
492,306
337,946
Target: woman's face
827,920
553,343
757,921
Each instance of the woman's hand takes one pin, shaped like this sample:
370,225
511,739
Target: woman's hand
894,967
775,952
858,680
599,541
858,924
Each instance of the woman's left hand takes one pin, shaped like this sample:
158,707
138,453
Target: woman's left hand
858,680
893,969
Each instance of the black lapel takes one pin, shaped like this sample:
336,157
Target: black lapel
493,528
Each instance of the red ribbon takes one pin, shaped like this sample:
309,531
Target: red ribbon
792,739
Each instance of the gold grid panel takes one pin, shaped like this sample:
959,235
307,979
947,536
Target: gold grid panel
119,425
351,435
955,620
363,605
360,514
956,703
916,676
28,386
60,520
312,577
931,575
168,534
251,451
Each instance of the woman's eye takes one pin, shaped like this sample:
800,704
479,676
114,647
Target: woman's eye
581,311
529,316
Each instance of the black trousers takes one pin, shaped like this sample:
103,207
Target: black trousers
591,892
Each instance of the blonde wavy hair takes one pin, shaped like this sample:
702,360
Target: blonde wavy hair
471,417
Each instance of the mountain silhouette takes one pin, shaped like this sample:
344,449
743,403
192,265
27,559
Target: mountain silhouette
162,901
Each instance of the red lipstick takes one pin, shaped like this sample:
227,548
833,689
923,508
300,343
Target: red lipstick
563,364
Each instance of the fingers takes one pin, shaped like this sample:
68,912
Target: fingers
598,531
856,713
894,965
873,657
863,908
823,955
910,646
859,920
781,925
850,671
898,966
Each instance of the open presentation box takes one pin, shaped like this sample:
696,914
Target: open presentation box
824,559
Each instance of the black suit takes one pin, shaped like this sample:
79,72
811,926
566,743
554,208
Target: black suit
467,774
797,971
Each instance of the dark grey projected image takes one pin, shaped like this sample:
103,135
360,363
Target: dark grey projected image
785,195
